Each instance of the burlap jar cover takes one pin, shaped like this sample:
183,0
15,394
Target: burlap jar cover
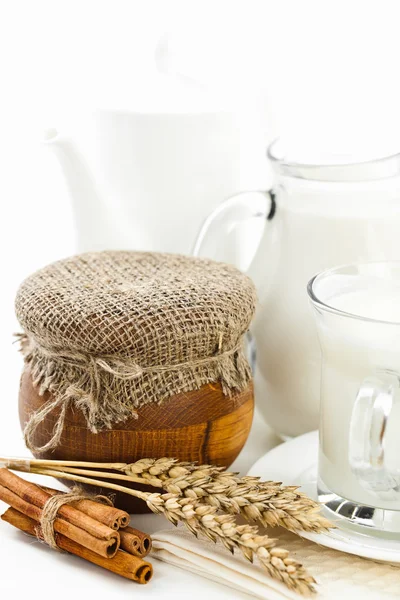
109,332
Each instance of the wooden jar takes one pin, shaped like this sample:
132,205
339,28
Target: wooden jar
213,430
133,355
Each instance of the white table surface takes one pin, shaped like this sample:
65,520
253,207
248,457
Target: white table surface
27,566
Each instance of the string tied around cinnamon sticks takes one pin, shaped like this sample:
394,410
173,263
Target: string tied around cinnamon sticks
53,505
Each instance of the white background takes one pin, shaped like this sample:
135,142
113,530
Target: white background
320,63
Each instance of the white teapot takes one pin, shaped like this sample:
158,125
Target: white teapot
145,177
317,216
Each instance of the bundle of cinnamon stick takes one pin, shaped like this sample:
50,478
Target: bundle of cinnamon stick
85,527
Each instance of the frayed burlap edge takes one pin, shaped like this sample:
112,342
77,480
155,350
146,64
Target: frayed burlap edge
109,389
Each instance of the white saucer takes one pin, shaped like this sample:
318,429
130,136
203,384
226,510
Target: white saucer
295,463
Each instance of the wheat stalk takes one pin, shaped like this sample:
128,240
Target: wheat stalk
194,494
269,502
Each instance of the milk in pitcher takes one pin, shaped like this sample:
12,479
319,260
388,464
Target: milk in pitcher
312,231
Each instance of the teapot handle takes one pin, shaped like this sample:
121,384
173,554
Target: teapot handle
241,208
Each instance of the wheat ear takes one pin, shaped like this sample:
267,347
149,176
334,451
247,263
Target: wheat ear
269,503
200,518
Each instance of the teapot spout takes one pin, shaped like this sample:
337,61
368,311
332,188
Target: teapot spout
87,204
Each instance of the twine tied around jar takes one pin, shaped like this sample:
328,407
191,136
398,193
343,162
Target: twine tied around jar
92,368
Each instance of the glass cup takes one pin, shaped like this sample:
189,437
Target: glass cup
357,311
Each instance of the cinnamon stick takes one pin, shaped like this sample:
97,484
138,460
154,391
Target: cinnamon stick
105,548
37,496
108,515
136,542
133,541
123,564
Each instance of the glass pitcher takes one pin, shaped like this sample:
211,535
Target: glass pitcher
320,213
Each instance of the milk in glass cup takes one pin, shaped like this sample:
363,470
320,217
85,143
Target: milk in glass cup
357,311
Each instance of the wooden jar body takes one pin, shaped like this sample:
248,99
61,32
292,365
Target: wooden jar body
202,425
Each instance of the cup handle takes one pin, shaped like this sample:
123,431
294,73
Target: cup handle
368,430
230,213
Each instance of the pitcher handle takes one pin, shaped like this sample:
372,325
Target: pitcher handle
368,430
237,209
233,211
